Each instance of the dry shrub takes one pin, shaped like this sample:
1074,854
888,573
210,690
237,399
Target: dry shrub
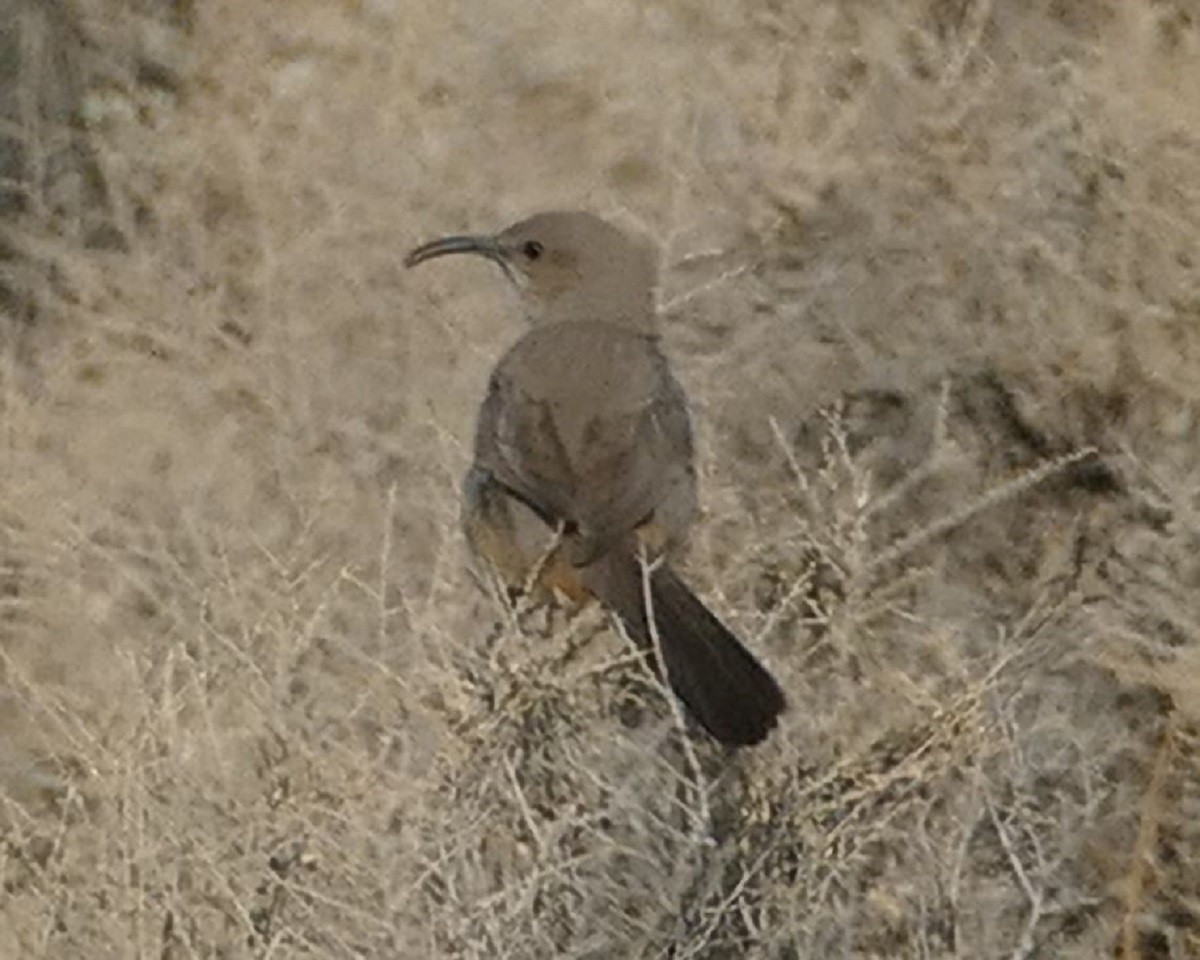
930,277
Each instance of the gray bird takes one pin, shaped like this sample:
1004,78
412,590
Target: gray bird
584,446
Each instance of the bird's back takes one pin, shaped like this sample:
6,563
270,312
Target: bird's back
585,421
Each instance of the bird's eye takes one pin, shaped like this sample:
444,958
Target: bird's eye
532,249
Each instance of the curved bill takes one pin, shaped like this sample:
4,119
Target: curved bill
479,244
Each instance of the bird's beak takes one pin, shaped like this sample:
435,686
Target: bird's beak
480,244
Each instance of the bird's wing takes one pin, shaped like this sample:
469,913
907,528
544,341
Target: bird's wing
588,427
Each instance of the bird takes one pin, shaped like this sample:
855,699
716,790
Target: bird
583,480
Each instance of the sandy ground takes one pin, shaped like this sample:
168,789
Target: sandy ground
930,274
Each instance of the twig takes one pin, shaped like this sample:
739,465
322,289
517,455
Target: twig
704,828
1025,945
1147,836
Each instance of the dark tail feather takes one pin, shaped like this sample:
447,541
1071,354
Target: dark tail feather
724,687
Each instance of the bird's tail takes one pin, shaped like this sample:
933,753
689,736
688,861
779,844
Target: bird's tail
725,688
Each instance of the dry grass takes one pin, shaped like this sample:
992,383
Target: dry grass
920,259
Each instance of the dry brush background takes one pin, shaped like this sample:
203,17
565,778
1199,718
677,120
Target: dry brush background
931,276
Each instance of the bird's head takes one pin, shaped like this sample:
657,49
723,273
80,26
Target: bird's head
567,265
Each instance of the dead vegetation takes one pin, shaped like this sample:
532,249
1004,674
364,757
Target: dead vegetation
931,277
